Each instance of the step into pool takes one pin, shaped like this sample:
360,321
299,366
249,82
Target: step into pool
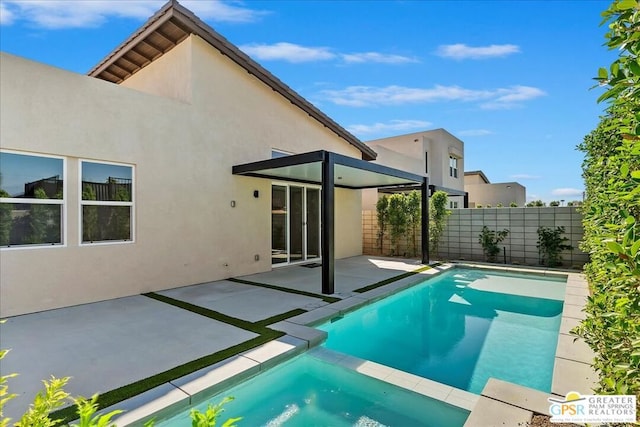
461,328
307,392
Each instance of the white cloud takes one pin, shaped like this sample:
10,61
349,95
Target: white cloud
367,57
6,16
58,14
462,51
566,192
393,125
287,52
474,132
533,197
508,98
525,176
361,96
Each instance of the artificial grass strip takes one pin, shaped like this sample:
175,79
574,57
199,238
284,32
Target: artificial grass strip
392,279
68,414
325,298
279,317
215,315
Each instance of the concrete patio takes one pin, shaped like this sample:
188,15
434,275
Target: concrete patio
110,344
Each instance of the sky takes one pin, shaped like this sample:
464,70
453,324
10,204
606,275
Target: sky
513,79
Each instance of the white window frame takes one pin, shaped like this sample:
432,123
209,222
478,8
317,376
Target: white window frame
288,185
107,203
62,202
453,166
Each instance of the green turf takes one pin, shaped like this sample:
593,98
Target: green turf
123,393
391,279
277,318
325,298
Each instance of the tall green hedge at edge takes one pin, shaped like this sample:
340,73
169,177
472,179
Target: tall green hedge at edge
611,172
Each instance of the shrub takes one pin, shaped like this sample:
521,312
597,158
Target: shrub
438,213
550,243
611,212
489,240
382,213
513,205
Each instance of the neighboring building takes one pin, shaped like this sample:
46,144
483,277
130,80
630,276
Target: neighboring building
483,192
436,154
130,180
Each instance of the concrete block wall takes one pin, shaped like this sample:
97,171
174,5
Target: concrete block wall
460,238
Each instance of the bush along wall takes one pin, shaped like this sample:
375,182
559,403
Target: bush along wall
611,211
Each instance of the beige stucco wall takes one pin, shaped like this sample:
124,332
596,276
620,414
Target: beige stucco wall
170,75
492,194
186,231
407,152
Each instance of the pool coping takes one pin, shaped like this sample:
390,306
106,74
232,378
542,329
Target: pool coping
301,336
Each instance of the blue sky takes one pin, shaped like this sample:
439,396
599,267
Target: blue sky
512,79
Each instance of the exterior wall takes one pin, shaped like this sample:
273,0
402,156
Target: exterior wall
402,152
169,76
492,194
470,179
186,231
407,152
460,238
371,241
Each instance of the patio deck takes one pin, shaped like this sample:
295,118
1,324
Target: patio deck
106,345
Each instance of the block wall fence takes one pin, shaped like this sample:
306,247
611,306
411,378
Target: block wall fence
460,238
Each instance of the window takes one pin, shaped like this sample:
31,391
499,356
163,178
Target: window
279,153
453,166
426,162
31,199
107,202
453,205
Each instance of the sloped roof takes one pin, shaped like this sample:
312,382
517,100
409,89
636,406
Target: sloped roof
171,25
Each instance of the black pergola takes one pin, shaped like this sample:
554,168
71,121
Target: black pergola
332,170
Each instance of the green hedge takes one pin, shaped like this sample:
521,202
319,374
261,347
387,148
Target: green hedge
611,172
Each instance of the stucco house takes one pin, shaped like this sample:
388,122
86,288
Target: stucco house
435,154
177,160
482,192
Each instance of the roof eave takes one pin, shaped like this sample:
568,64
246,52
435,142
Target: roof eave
195,25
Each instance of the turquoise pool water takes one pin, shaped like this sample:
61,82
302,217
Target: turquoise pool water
308,392
461,328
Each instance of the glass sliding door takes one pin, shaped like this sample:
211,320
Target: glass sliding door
313,223
279,225
295,223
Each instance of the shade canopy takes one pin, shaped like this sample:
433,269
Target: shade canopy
349,172
332,170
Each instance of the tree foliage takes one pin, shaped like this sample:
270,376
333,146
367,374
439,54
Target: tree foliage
611,210
437,219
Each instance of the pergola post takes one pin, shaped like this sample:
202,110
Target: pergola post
424,224
328,224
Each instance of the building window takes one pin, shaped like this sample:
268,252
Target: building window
426,162
32,199
107,202
453,166
453,205
278,153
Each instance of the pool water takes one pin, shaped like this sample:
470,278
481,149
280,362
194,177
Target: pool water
307,392
461,328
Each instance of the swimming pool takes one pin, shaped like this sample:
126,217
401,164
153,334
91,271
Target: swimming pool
461,328
307,391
